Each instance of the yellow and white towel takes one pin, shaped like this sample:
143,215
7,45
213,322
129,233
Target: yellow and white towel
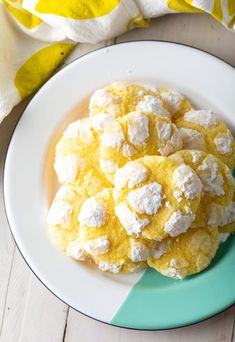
36,35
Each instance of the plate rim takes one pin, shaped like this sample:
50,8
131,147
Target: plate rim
4,172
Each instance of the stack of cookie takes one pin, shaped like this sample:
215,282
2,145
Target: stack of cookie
146,180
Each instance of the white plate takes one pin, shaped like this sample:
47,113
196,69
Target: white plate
204,79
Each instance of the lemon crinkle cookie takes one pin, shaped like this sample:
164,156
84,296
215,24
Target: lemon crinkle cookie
61,218
105,240
175,102
76,155
202,130
156,197
133,136
227,219
87,229
186,254
120,98
217,184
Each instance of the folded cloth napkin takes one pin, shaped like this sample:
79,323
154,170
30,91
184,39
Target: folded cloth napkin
36,35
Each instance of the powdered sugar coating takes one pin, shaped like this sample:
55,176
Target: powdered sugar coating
113,135
173,273
66,167
173,262
104,100
204,118
76,251
188,210
65,193
196,155
153,105
109,267
167,204
223,237
137,127
60,213
210,176
178,223
85,131
128,150
223,143
97,246
92,213
178,195
147,199
173,100
130,221
163,130
192,139
100,98
157,251
132,174
178,262
187,181
138,251
101,120
72,131
169,138
108,166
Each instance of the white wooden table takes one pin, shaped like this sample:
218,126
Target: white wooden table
28,311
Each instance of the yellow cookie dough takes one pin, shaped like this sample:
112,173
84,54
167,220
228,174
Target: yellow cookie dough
156,197
175,102
105,240
133,136
120,98
202,130
62,216
227,221
76,155
189,253
217,184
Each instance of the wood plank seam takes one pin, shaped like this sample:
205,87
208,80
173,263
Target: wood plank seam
233,330
25,305
8,283
65,325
